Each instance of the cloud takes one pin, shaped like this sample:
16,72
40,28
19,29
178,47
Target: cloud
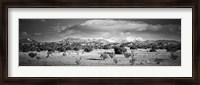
172,28
69,32
72,33
114,30
133,38
117,25
140,39
116,36
154,27
130,38
24,33
37,34
122,25
60,28
110,36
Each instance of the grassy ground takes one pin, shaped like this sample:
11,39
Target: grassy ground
92,58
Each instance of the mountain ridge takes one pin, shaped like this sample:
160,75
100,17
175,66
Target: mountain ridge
93,40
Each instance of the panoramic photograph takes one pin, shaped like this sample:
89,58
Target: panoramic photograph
100,42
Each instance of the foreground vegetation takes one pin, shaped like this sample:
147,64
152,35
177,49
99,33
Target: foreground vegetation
99,54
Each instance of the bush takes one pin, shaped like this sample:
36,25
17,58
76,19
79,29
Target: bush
62,49
119,50
133,47
78,61
42,48
38,50
132,61
97,47
115,60
76,48
32,55
103,56
49,53
69,48
153,49
51,50
25,50
158,60
174,56
64,53
122,46
88,49
127,55
171,49
107,47
112,55
38,58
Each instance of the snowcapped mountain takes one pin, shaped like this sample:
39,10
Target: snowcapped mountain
104,41
27,40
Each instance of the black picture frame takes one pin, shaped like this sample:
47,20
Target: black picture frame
194,4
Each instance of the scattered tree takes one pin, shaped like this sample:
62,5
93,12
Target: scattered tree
88,49
119,50
32,55
127,55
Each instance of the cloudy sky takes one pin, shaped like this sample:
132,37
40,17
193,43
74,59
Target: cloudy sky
48,30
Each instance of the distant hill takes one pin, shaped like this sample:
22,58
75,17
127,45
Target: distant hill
72,40
104,41
82,41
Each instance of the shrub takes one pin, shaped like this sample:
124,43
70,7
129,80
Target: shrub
38,50
119,50
25,50
64,53
158,60
97,47
171,49
153,49
112,55
174,56
122,45
32,55
115,60
42,48
78,61
50,52
62,49
132,61
127,55
76,48
32,48
88,49
133,47
69,48
107,47
38,58
103,56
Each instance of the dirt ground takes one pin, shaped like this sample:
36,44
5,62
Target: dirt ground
80,58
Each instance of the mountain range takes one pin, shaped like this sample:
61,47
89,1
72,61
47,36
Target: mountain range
104,41
27,40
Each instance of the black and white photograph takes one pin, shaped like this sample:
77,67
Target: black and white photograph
99,42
